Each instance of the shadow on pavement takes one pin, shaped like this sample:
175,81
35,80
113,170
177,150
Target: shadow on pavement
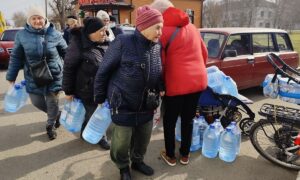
18,166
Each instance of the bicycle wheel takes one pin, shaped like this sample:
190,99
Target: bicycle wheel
275,142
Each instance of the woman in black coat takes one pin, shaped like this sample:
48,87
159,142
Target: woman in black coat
82,60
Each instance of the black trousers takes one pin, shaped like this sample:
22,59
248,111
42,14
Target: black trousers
185,106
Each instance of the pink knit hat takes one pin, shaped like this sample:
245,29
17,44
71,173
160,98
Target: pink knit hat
146,17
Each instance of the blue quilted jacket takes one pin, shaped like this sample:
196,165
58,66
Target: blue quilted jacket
28,49
131,65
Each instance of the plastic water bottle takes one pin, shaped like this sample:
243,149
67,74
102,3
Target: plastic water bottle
270,89
65,113
228,146
98,124
178,129
212,69
236,131
202,126
210,145
24,94
13,98
195,145
218,125
230,86
75,118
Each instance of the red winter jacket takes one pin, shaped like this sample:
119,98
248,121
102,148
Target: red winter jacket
184,63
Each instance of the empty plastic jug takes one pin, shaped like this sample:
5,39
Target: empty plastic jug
13,98
98,124
64,113
178,129
228,146
210,145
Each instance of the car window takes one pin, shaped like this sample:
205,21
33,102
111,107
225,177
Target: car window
262,43
213,42
283,42
9,35
239,43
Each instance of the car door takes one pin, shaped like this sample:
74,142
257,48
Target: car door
240,67
265,43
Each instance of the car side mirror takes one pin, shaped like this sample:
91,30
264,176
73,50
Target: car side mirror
229,53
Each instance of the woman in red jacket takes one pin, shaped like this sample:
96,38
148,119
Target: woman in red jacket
185,77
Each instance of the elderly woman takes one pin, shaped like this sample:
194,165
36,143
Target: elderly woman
130,70
83,58
37,40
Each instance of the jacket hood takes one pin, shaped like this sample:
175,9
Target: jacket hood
175,17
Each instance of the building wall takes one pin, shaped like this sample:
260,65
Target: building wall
195,5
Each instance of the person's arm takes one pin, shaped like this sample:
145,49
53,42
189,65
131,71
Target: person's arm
71,63
110,63
61,47
17,59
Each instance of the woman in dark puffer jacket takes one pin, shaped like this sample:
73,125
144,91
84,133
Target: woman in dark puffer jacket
82,60
130,67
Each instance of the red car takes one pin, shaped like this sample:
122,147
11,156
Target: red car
6,45
241,52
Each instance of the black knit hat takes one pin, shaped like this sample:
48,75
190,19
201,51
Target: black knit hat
72,17
92,24
112,18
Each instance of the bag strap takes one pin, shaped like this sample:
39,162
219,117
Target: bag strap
172,38
45,47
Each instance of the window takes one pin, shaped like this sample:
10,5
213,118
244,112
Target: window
213,43
267,25
190,13
260,24
9,35
239,43
115,13
270,14
283,42
262,43
262,13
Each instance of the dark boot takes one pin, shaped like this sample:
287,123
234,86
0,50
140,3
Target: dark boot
104,144
143,168
51,132
125,173
57,123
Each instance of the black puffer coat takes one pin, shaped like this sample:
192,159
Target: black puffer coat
81,64
131,65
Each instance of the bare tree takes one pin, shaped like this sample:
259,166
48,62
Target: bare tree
19,19
212,14
61,9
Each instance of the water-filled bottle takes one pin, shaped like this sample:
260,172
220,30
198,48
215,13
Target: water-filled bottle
98,124
210,145
178,129
65,113
195,143
230,86
236,131
12,98
25,95
202,126
75,118
218,125
270,89
228,146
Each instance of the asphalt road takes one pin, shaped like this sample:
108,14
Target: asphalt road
26,153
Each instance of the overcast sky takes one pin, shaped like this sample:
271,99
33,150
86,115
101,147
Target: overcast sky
9,7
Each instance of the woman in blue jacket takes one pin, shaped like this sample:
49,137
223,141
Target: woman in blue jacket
131,68
29,49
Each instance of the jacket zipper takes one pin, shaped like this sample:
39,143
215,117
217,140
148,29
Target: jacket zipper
112,96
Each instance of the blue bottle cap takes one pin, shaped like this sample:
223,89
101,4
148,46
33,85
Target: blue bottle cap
23,82
17,86
106,104
228,129
211,126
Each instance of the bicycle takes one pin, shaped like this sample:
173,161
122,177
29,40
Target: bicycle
277,136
